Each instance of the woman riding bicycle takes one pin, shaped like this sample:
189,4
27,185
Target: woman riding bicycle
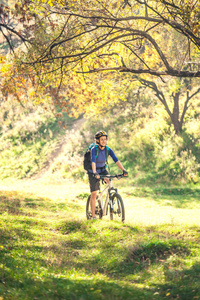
98,163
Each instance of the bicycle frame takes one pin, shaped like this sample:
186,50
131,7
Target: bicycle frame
108,189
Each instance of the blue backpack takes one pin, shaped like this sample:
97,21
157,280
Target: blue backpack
87,156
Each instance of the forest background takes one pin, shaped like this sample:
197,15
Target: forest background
132,67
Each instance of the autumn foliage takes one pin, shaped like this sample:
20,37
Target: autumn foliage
82,55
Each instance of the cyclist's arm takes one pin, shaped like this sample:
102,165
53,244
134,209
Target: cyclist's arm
93,160
94,167
112,154
118,163
94,170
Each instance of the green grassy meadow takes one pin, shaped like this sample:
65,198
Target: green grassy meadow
48,250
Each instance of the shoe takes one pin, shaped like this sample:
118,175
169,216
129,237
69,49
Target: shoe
94,218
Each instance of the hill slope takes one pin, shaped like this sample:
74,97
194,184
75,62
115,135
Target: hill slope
32,142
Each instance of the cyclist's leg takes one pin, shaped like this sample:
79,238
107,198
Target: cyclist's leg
94,187
93,202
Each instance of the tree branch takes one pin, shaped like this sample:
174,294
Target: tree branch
7,39
175,25
14,31
175,73
95,49
159,94
186,102
162,19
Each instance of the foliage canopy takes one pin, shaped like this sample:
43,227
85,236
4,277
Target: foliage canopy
67,51
135,35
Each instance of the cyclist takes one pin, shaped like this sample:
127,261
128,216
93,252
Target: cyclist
99,166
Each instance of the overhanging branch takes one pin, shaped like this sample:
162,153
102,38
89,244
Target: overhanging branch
171,72
14,32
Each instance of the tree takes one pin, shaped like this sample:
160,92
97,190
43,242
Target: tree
82,34
177,95
60,41
14,24
177,91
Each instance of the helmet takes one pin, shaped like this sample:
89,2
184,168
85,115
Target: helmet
100,133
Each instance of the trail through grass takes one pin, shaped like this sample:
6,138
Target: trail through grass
48,250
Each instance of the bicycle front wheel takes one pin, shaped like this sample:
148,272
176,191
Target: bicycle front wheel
98,209
117,211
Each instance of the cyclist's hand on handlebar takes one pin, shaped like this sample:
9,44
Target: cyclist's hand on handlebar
96,175
125,173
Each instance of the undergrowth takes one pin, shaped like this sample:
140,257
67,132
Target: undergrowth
28,138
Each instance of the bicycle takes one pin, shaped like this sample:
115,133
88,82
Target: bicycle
108,198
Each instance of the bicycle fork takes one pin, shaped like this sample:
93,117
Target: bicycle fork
108,200
106,205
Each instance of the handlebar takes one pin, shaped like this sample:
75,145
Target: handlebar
118,176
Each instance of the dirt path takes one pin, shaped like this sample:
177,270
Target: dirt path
60,147
76,126
42,184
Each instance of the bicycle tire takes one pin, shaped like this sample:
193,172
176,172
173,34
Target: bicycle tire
117,211
98,209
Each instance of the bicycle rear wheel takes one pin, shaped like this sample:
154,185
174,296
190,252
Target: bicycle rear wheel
98,209
117,211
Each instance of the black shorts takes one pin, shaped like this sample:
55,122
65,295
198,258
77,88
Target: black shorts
95,183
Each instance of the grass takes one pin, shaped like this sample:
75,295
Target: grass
49,250
30,138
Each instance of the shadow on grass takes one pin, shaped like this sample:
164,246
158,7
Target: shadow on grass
104,253
15,203
12,236
26,273
115,259
134,260
156,251
10,204
63,288
36,279
181,284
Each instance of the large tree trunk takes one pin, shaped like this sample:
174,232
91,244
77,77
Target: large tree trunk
175,114
177,125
